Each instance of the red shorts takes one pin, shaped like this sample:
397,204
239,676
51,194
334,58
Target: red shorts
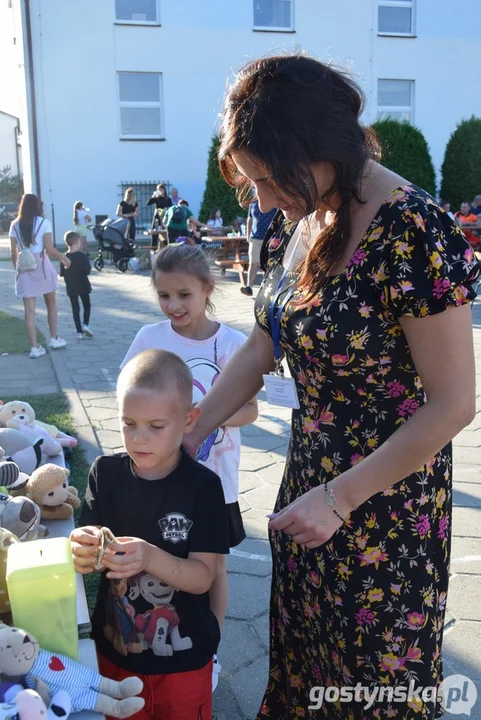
177,696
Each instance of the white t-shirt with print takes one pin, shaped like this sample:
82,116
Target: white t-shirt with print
45,228
206,359
82,217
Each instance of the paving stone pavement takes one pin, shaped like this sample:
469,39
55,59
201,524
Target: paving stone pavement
86,370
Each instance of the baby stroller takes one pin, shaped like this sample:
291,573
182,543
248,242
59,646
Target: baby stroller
111,237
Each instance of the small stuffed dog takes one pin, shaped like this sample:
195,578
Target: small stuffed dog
48,487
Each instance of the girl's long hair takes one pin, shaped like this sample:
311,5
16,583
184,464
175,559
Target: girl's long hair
290,113
29,208
213,212
77,206
130,193
187,259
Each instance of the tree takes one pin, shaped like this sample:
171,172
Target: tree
406,152
217,193
11,186
461,168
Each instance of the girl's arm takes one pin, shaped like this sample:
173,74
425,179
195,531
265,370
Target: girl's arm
194,574
237,384
53,252
136,212
245,416
442,349
13,251
120,212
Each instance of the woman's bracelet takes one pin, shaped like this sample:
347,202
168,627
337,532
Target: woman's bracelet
332,502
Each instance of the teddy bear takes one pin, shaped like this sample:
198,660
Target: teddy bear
22,449
20,654
20,415
21,704
21,516
48,487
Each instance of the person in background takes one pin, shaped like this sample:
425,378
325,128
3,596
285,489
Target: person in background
80,220
129,208
77,282
476,206
177,220
215,222
446,206
161,201
174,196
466,217
31,234
257,226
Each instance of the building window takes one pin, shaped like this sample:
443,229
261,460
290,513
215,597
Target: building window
144,12
140,103
274,15
395,100
395,17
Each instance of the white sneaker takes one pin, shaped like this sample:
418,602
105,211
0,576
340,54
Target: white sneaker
56,343
87,331
216,668
80,336
37,352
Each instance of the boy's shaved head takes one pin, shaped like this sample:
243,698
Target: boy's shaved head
157,370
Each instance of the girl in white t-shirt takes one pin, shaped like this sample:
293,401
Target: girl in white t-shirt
183,281
215,222
80,220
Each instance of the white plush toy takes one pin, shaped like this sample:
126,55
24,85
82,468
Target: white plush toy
20,654
20,416
23,704
23,415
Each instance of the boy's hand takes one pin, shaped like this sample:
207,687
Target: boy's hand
85,544
134,558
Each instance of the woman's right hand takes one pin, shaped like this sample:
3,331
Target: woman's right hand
85,545
66,262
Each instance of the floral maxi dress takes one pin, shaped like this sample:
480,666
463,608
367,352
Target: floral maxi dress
368,606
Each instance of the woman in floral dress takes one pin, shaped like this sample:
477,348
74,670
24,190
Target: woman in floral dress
371,283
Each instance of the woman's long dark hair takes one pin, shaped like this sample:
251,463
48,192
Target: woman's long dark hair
289,113
30,208
76,207
212,213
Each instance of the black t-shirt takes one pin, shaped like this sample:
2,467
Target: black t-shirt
76,276
161,202
127,208
142,624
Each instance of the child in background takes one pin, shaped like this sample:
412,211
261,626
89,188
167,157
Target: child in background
80,220
152,617
183,281
78,283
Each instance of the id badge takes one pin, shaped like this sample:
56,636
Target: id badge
281,391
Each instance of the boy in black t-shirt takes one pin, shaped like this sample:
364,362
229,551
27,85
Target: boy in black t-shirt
152,616
77,281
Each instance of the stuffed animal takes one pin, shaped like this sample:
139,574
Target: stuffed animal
21,416
21,516
21,449
6,539
9,472
86,688
48,487
21,704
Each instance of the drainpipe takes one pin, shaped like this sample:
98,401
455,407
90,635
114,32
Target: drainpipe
33,101
16,132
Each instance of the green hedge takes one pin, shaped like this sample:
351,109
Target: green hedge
217,193
461,168
406,152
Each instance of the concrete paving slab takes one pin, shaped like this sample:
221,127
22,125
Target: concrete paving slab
249,685
240,646
247,600
467,495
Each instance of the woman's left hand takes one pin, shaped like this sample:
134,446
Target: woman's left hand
308,520
126,557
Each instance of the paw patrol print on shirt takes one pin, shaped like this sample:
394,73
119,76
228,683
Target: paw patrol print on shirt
175,527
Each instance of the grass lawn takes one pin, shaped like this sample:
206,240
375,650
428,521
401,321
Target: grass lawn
54,409
13,338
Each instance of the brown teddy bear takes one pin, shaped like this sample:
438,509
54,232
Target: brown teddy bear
48,487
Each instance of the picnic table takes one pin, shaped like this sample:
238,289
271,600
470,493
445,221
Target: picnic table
232,253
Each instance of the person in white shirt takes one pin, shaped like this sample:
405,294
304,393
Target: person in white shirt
183,281
80,220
